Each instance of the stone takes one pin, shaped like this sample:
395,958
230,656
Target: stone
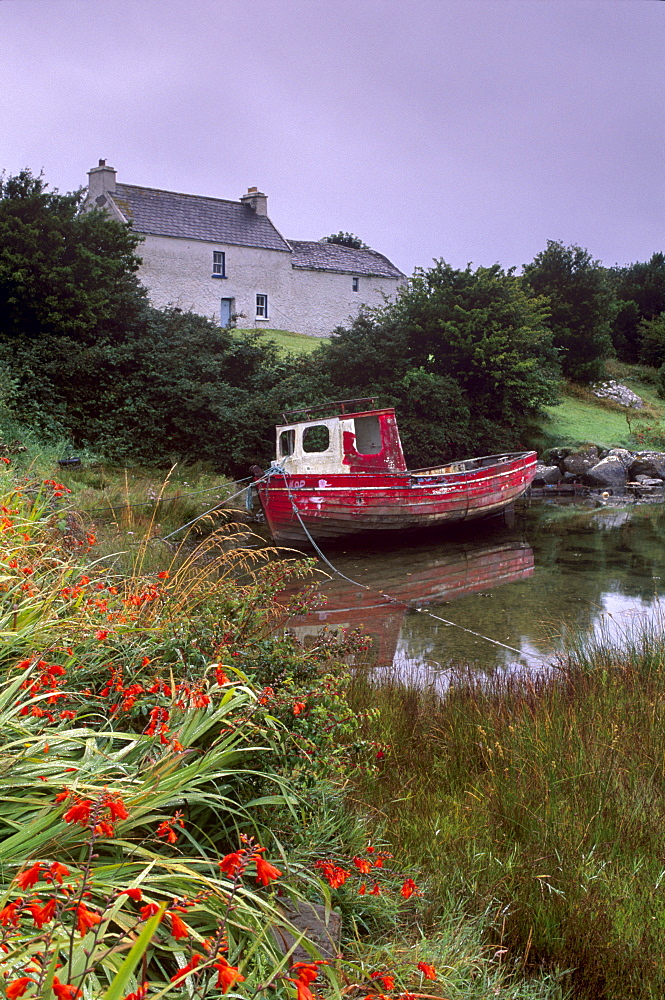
555,456
646,481
581,461
648,463
309,919
625,457
546,475
618,393
609,471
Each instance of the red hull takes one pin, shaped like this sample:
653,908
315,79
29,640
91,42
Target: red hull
338,505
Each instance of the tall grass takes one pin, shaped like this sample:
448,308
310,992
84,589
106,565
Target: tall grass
542,804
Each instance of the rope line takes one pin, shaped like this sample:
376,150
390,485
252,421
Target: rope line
216,507
389,597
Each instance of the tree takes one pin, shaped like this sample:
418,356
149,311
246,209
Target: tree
640,294
580,307
63,273
466,356
346,240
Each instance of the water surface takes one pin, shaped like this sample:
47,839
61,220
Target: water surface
558,570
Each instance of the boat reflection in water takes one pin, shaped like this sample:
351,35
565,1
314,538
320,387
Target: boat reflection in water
393,583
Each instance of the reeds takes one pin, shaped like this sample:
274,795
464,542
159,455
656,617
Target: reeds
542,803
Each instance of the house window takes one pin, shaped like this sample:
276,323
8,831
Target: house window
356,282
261,306
218,264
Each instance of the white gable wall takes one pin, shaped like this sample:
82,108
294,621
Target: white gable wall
178,272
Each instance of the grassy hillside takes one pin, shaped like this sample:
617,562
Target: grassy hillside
583,418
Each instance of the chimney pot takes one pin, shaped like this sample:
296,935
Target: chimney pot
256,200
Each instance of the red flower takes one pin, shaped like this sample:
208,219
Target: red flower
306,975
18,987
386,980
186,969
298,707
134,894
428,971
27,879
149,910
79,812
164,575
42,914
9,914
334,875
363,865
57,871
375,891
85,919
227,975
408,888
117,808
101,635
179,929
265,872
233,863
64,991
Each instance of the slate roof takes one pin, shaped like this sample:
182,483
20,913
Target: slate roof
321,256
215,220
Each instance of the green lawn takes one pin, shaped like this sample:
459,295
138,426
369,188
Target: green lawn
582,418
291,343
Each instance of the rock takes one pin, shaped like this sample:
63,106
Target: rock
555,456
323,931
609,471
546,475
625,457
648,463
646,481
618,393
581,461
569,477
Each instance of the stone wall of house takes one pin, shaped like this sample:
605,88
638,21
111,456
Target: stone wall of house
179,272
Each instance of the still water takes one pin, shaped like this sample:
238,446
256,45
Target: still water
560,569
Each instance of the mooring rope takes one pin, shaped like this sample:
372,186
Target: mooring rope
389,597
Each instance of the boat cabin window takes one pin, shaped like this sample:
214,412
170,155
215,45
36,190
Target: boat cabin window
316,438
287,442
368,435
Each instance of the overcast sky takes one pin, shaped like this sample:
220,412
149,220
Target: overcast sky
473,130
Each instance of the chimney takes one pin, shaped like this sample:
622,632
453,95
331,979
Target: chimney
256,200
101,180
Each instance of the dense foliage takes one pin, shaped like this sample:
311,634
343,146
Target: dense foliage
346,240
63,273
640,300
580,307
464,355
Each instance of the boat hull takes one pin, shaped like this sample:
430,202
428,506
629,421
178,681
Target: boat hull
303,507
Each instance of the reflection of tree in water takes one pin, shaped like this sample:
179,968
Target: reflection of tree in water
581,554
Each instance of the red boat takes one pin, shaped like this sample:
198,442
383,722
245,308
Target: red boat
340,471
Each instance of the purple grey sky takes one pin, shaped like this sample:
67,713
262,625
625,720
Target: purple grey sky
473,130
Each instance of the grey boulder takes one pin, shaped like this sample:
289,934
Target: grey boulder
609,471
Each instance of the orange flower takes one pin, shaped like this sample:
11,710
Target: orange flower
265,872
79,812
85,919
231,864
134,894
64,991
57,871
18,987
9,914
149,910
227,975
42,914
306,975
386,980
428,971
179,929
363,865
408,888
375,891
186,969
27,879
117,808
298,707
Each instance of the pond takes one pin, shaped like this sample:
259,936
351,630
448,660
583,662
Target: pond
558,569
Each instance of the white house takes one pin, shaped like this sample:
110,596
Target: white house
226,259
